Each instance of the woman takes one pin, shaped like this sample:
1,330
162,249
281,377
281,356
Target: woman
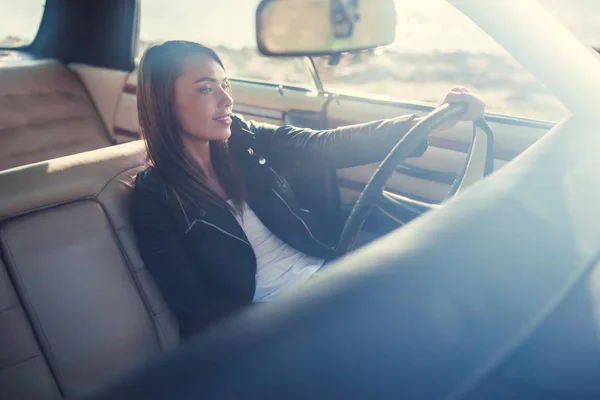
218,227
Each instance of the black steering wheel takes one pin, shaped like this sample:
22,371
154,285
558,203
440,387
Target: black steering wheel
374,196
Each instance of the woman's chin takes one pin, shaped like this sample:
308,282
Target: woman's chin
223,134
221,131
214,135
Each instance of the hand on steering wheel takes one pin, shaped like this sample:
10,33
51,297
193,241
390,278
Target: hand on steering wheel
458,105
460,94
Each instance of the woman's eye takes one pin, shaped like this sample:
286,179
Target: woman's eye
205,90
226,86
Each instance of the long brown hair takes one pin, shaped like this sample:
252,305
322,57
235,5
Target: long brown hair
159,68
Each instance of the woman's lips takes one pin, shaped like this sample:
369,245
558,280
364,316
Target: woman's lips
225,120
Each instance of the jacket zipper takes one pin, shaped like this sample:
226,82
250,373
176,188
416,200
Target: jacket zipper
301,220
219,229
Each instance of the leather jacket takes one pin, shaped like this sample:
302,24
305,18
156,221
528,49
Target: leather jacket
203,263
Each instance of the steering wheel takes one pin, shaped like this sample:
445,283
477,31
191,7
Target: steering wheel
374,196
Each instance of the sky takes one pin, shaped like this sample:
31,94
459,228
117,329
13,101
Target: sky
423,25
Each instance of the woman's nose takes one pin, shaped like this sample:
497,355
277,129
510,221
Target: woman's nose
226,100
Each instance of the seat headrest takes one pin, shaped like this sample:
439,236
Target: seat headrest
65,179
26,76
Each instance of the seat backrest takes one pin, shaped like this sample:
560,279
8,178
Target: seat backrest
24,372
77,307
45,112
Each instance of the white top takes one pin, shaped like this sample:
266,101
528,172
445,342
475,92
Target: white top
278,265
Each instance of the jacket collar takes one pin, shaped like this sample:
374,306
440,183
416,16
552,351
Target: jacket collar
242,143
241,138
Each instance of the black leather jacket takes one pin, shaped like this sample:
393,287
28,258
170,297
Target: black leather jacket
204,264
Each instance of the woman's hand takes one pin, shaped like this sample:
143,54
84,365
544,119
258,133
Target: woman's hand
459,94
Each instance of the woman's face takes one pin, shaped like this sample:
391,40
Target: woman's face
202,100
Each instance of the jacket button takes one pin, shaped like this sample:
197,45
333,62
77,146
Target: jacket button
262,161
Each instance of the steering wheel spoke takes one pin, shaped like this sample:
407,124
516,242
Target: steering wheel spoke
390,206
397,207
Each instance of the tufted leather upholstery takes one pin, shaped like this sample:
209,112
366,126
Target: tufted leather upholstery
77,307
24,373
45,112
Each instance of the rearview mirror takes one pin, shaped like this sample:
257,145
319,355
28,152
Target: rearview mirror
323,27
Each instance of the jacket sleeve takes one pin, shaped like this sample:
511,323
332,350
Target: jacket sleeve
176,276
343,147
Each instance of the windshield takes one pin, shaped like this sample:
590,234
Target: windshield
437,47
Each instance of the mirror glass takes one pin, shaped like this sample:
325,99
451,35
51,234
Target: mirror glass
321,27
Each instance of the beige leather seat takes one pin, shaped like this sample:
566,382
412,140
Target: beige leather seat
77,307
45,112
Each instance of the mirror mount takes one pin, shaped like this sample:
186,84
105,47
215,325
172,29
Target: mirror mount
334,59
323,27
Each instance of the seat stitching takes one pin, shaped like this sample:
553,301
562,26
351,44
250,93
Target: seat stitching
134,276
9,308
80,95
93,197
159,331
107,129
42,335
161,312
16,364
49,121
82,142
113,178
46,207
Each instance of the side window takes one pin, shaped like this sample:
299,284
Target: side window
436,48
228,26
19,21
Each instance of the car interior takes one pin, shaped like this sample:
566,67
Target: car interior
77,307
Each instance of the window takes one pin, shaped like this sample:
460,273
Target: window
437,47
226,25
19,21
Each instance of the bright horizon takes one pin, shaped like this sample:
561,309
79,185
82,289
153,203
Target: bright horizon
215,24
